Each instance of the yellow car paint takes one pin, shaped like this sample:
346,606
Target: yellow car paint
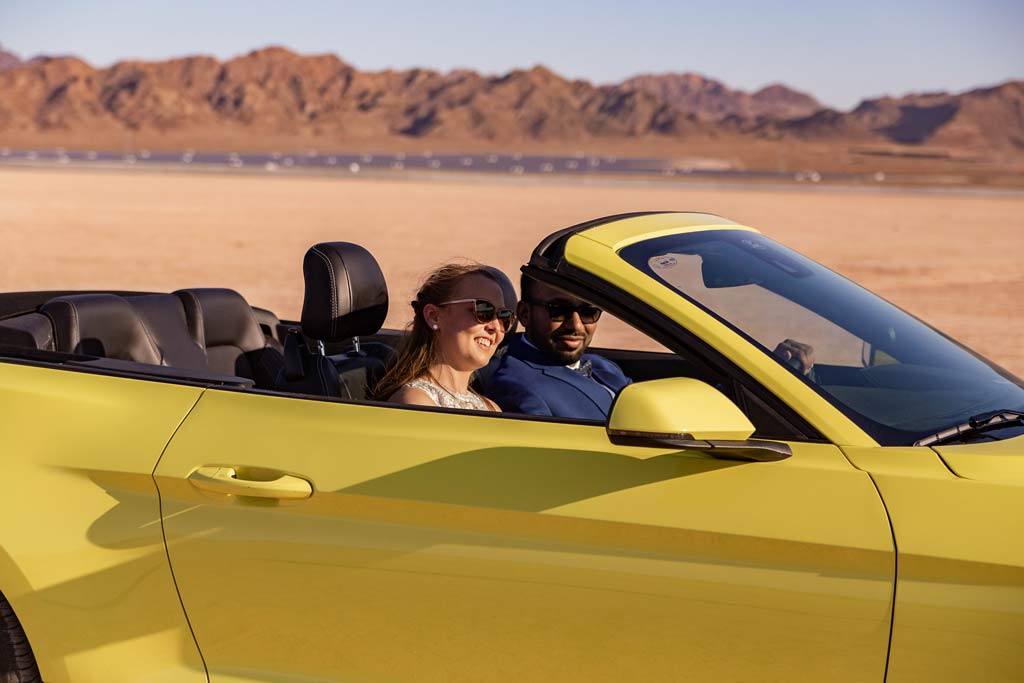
622,233
960,591
447,546
653,408
995,461
82,559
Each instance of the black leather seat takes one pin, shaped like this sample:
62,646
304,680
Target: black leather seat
164,316
29,330
345,298
103,325
222,322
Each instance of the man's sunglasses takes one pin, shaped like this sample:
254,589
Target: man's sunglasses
485,312
558,312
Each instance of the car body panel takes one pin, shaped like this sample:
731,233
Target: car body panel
992,461
960,589
621,233
83,561
456,546
597,259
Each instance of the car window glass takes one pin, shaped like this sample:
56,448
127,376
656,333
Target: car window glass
768,317
890,373
613,333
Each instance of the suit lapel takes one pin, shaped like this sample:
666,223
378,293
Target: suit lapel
592,389
610,379
597,394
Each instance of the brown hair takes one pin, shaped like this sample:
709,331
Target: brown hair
419,345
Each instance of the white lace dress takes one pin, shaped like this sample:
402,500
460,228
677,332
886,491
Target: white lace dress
447,399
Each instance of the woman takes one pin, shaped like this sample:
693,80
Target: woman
459,321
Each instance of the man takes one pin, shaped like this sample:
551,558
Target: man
547,370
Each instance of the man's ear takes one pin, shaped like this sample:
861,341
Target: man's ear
523,312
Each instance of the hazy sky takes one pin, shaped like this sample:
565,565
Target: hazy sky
839,53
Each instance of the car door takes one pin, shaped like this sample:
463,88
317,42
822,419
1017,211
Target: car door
450,546
82,557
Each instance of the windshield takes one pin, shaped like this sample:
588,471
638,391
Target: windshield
897,378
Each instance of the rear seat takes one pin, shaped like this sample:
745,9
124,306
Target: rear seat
101,325
164,315
211,330
32,330
223,323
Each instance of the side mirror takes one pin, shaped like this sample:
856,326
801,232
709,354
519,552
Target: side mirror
685,413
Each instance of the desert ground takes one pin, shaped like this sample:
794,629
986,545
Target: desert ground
951,258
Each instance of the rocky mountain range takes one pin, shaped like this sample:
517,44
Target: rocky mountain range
712,100
8,60
276,92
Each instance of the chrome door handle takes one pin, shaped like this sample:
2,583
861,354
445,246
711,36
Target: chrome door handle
220,479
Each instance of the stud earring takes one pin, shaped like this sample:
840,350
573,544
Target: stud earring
434,326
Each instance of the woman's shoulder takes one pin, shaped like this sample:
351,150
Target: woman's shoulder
416,392
425,392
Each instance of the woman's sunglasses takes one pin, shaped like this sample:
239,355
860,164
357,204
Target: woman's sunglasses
485,312
558,312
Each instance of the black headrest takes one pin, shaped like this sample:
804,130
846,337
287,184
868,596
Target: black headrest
32,330
508,293
221,317
346,295
100,325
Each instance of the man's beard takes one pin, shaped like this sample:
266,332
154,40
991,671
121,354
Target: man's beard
566,357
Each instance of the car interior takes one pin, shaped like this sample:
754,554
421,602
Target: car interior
336,351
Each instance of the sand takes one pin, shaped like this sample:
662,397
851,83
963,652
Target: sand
953,259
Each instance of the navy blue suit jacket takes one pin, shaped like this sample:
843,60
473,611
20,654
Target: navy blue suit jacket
528,382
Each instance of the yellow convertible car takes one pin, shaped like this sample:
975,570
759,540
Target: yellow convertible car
198,491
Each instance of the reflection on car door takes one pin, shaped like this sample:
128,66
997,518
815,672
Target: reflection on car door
958,517
82,559
446,546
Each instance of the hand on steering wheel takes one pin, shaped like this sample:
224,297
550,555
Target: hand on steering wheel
797,355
